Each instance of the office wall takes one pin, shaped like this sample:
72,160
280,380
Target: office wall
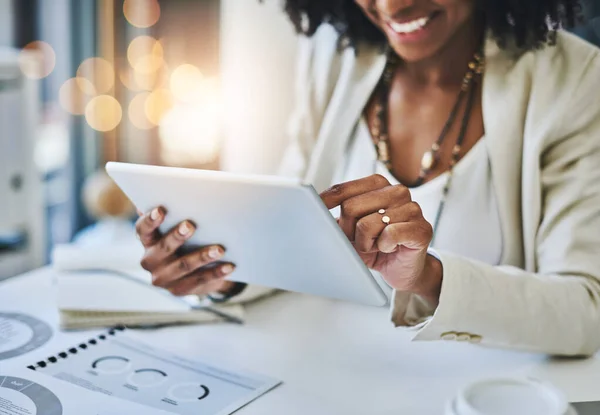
6,23
258,48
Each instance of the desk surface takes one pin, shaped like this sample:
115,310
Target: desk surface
333,357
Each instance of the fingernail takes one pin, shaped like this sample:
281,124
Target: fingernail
227,268
214,252
185,229
155,214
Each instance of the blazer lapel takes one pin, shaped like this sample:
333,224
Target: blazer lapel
505,97
357,80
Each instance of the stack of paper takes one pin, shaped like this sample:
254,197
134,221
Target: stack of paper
106,286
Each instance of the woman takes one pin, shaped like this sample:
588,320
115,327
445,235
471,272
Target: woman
464,138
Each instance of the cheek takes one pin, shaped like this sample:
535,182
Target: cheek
458,11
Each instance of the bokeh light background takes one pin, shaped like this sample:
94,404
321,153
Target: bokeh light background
151,94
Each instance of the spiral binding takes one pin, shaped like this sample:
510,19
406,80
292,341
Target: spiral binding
74,350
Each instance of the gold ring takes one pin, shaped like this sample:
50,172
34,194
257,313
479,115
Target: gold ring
386,219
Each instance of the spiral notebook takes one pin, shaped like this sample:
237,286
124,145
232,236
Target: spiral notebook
119,365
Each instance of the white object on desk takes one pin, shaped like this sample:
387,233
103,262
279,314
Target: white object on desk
276,230
103,286
510,396
121,366
338,358
24,391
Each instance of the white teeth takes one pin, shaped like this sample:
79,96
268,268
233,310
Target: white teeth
409,27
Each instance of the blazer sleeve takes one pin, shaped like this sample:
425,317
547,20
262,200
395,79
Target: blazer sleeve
555,310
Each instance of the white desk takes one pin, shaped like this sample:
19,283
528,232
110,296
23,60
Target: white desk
334,358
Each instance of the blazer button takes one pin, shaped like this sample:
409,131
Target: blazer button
463,337
475,339
449,336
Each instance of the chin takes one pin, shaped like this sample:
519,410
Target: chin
415,54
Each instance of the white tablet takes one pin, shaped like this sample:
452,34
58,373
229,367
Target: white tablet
275,230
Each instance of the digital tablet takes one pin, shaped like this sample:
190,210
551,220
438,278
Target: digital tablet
275,230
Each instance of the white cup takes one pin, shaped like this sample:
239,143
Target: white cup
507,396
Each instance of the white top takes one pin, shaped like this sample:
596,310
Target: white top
471,196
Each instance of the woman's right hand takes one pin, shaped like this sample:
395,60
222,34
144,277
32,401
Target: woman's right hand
199,272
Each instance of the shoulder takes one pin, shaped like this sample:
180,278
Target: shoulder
573,66
564,80
321,60
319,57
554,66
570,57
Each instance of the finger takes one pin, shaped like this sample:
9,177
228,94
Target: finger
335,195
357,207
167,245
370,227
186,264
412,235
147,225
201,281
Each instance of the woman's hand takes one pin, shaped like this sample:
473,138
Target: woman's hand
198,272
397,250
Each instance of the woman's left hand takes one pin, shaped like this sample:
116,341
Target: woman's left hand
398,249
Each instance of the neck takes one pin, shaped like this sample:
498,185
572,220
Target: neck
448,66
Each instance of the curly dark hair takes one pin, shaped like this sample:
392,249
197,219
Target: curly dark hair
530,23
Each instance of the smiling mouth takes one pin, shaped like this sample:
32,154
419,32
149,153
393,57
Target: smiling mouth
411,26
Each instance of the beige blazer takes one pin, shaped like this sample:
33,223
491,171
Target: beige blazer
541,113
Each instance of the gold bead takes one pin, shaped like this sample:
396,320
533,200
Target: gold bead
472,65
382,147
456,149
435,147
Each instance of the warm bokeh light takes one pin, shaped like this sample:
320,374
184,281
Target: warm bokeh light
44,63
99,72
210,94
137,112
157,104
189,135
187,83
145,81
126,75
145,54
149,63
103,113
141,13
75,94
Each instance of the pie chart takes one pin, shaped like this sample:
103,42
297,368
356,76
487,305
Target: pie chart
25,396
20,334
